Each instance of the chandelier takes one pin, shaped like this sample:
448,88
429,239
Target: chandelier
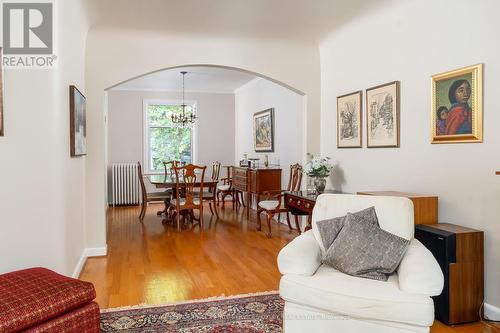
185,118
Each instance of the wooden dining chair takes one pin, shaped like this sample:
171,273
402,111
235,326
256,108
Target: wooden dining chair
169,172
186,198
226,188
209,194
273,203
168,165
149,197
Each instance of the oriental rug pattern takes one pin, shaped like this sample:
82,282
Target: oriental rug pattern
259,313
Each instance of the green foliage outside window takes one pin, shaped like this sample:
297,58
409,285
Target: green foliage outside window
167,142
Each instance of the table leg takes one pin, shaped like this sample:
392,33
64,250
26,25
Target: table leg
297,223
249,202
309,223
215,205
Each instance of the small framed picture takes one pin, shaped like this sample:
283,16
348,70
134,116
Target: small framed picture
382,115
457,106
78,125
349,108
263,129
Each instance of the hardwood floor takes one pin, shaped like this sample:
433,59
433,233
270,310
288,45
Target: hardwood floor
151,263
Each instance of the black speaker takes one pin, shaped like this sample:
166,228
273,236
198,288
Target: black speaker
442,244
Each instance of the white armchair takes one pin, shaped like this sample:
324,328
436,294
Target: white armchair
321,299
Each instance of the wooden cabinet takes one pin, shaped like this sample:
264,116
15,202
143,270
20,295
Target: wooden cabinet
459,252
240,179
299,203
425,206
255,181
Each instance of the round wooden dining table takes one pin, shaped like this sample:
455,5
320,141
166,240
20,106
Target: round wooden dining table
167,181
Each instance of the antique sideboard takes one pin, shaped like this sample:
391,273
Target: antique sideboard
255,181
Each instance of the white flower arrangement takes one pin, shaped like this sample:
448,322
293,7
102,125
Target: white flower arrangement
319,167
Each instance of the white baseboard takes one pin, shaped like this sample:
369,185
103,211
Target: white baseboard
96,251
79,265
491,312
88,252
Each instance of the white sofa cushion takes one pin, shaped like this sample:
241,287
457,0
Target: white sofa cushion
395,214
332,291
419,272
302,256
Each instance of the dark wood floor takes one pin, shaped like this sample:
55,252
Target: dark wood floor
151,263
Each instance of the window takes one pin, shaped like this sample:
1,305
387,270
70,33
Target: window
163,140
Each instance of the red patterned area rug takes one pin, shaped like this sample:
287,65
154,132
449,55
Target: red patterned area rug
257,313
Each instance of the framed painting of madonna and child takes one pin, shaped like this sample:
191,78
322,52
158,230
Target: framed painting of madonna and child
457,106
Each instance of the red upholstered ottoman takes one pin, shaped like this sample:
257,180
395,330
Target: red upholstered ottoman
40,300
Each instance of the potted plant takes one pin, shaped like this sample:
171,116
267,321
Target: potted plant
319,168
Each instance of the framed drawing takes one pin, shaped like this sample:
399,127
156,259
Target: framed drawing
78,125
382,115
349,108
1,94
263,131
457,106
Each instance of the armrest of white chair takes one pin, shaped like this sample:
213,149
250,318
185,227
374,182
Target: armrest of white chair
302,256
419,272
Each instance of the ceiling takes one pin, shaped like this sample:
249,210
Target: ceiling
301,20
198,79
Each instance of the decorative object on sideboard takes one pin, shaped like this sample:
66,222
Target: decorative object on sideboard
263,131
382,115
319,168
266,160
253,162
457,106
78,125
1,95
349,130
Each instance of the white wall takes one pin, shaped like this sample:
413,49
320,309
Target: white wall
410,41
214,130
114,56
42,189
259,95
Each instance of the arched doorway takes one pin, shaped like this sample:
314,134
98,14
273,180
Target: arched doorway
226,98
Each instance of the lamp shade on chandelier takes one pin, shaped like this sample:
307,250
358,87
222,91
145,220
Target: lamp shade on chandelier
184,118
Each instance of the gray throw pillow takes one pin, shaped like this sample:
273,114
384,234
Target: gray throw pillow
365,250
329,229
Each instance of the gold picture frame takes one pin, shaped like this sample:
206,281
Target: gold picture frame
457,106
349,120
382,115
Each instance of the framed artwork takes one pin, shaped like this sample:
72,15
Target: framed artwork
263,131
78,125
1,94
349,108
457,106
382,115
